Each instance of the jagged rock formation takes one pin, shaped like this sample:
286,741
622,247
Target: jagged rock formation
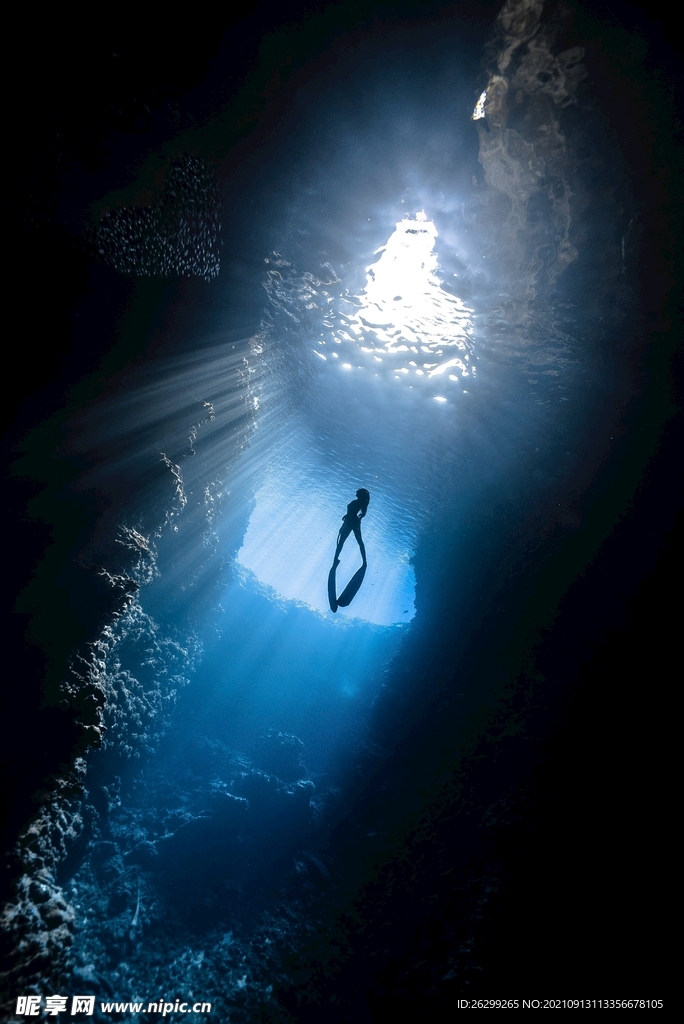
535,129
120,691
523,149
177,853
37,924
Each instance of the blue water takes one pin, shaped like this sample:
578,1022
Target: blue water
311,431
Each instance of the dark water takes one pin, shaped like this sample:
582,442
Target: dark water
295,815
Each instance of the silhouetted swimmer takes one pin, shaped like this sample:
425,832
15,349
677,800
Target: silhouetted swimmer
351,522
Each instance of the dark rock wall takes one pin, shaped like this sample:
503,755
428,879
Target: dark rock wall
557,185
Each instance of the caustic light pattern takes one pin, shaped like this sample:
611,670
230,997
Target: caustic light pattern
404,326
404,311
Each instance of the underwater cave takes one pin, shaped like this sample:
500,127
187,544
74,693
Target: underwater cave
420,249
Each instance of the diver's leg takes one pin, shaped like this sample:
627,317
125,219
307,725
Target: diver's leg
345,530
359,541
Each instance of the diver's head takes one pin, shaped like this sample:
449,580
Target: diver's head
363,495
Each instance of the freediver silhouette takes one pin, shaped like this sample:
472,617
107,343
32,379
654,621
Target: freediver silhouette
351,523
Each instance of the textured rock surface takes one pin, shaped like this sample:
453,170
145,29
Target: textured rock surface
171,857
547,168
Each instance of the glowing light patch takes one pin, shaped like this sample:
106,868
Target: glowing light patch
479,111
290,542
405,309
447,366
